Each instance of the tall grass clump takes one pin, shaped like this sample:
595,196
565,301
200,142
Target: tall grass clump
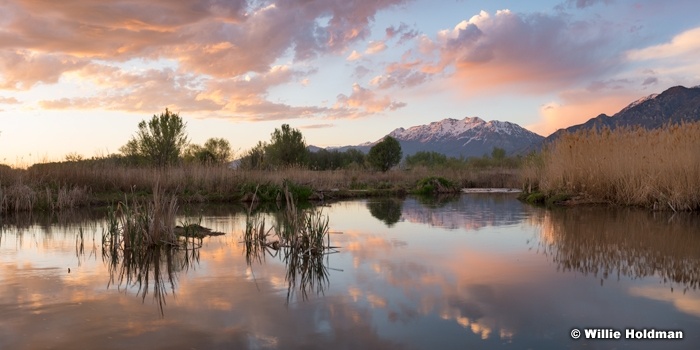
139,224
142,248
658,168
17,197
301,238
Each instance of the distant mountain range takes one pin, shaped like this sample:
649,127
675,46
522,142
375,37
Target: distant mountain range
674,105
471,137
468,137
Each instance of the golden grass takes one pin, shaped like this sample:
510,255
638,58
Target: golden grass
58,186
136,224
630,166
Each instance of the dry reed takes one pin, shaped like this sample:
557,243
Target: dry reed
302,237
59,186
138,224
631,166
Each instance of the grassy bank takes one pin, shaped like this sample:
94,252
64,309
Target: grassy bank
658,169
59,186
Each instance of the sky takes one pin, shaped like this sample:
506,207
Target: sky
77,76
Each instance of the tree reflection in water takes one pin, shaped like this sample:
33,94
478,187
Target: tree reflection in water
388,210
624,242
438,200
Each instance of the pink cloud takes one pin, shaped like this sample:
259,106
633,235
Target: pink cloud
200,35
366,101
403,32
317,126
21,70
240,98
405,74
538,52
354,56
8,100
224,51
375,47
684,46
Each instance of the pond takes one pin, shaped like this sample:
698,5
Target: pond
472,271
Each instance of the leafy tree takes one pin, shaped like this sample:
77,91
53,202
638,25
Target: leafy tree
498,154
74,157
214,151
385,154
331,160
426,159
159,141
196,153
287,147
255,157
355,157
220,149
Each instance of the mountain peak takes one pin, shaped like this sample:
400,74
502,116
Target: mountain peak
467,137
675,105
475,120
640,101
470,136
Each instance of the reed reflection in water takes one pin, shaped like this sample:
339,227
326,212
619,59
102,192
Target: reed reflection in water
300,238
152,269
624,242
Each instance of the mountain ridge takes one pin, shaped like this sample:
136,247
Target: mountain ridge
473,136
674,105
467,137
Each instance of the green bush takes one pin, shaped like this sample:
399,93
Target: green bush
435,184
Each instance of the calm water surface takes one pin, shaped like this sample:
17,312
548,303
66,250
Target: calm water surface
476,271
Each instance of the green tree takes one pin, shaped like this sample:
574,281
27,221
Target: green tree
426,159
498,154
160,141
355,158
196,153
385,154
214,151
220,149
287,147
255,158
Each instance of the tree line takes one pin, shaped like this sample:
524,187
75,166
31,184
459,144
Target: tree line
163,141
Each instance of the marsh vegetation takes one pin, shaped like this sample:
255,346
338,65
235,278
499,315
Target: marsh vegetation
300,238
657,169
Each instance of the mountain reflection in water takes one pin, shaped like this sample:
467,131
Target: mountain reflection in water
472,271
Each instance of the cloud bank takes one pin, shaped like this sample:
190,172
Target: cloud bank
207,50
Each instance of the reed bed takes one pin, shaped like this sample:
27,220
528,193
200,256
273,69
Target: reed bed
657,169
301,238
141,247
223,180
139,224
60,186
20,197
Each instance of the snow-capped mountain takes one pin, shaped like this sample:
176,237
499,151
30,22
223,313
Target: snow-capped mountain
639,102
468,137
